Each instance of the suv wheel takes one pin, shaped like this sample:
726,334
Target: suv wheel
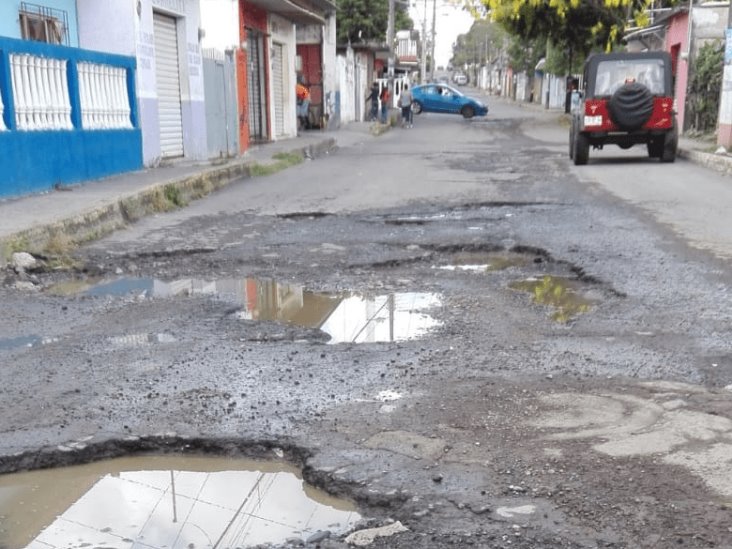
631,106
670,144
571,139
581,151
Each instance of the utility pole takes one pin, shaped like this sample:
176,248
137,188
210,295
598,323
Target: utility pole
423,69
724,136
434,19
390,39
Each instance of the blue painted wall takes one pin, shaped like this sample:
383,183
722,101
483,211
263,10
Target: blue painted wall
32,161
10,22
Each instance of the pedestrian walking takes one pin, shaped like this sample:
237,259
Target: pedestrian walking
405,102
374,98
385,97
303,105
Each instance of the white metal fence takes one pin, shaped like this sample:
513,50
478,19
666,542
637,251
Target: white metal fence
42,100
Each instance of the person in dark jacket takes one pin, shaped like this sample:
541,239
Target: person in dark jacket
374,98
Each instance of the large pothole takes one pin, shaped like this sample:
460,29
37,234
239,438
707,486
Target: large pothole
159,501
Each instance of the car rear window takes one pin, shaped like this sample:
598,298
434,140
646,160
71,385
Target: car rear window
612,74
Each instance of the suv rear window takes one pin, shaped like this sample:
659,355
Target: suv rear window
612,74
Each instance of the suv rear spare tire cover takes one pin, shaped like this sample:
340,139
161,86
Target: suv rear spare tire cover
631,106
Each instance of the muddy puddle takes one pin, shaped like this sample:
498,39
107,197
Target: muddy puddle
562,295
346,316
485,261
166,501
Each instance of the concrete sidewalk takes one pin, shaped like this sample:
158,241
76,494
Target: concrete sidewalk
52,222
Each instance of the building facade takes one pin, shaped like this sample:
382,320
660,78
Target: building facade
164,36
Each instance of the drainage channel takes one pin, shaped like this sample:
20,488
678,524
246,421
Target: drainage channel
347,317
167,501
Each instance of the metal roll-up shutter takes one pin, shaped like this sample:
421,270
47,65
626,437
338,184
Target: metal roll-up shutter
167,74
256,87
278,85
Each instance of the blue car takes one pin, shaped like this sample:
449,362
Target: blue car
443,98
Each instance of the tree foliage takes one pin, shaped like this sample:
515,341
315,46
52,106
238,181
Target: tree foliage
705,87
488,42
360,21
484,40
575,27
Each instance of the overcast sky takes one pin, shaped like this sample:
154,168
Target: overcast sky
451,21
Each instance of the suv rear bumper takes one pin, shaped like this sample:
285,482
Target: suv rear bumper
624,138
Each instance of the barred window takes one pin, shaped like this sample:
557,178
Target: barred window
43,24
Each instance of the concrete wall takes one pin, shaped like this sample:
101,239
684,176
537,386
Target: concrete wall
116,25
677,42
107,26
331,95
282,31
10,20
221,112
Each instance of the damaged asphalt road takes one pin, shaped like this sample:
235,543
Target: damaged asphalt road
523,360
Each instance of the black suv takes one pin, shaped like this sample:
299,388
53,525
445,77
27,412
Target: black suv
627,99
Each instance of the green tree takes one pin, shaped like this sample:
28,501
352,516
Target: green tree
573,27
485,40
705,87
360,21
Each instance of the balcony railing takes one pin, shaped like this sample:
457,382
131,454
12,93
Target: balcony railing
60,88
104,100
41,93
2,114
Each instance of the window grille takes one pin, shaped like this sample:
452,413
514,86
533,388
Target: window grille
44,24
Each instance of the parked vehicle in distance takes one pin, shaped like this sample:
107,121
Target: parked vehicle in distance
442,98
460,79
627,100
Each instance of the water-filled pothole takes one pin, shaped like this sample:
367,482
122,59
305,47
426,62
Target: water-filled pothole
486,261
11,343
562,294
19,342
166,501
344,316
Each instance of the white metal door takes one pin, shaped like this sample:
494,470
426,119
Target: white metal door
167,74
278,85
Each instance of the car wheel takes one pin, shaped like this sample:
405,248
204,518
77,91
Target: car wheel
670,144
416,107
571,140
468,111
581,149
631,106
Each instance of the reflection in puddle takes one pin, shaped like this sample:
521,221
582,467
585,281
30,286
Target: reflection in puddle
346,317
559,293
25,341
486,262
163,501
18,342
140,340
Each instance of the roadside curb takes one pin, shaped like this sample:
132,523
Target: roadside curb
718,162
159,197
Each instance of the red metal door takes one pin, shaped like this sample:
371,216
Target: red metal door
312,72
